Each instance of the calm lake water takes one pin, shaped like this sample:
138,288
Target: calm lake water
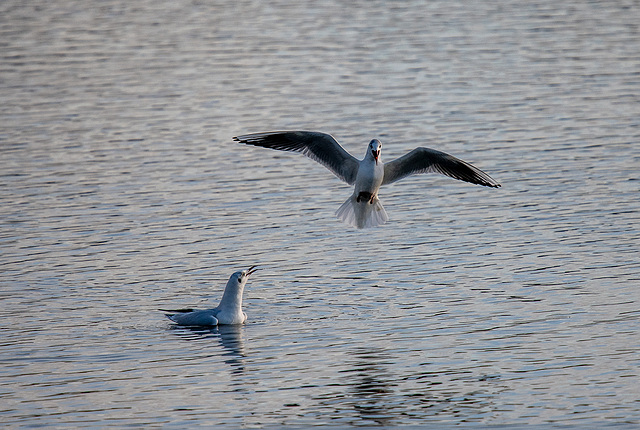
122,192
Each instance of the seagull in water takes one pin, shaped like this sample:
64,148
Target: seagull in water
229,311
363,208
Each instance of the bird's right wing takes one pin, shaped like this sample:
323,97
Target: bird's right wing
320,147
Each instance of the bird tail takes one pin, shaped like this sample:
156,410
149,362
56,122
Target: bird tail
362,214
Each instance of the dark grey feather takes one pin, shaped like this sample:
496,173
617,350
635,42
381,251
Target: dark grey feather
195,318
426,160
320,147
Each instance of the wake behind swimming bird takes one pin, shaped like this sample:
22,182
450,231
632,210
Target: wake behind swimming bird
229,311
363,208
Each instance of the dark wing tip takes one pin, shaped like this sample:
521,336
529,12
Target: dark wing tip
486,184
247,138
484,180
481,178
295,141
487,180
461,170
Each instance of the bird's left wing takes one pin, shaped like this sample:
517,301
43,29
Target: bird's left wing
178,311
425,160
195,318
320,147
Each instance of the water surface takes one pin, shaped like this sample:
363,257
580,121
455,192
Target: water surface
121,192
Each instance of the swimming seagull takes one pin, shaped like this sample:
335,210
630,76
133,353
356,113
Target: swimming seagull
363,208
229,311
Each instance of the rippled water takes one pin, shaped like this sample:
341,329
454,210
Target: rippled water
122,193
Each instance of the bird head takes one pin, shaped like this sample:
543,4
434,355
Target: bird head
240,278
375,147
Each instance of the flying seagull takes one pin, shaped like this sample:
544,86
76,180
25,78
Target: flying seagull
363,208
229,311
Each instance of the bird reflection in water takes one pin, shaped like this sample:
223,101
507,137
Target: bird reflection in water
370,384
370,394
229,336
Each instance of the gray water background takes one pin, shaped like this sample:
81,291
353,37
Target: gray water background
121,192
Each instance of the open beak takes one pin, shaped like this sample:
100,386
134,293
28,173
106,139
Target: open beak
251,270
376,154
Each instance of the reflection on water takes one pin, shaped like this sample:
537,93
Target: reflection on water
376,392
121,190
370,381
230,337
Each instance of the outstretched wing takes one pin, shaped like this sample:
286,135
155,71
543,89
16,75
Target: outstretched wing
320,147
425,160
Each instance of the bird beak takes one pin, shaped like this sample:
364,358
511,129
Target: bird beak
251,270
376,154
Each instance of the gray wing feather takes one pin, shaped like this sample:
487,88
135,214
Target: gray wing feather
320,147
425,160
202,318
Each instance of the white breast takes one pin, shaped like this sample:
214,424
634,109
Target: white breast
369,176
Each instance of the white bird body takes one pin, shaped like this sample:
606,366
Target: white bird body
370,172
229,311
230,307
363,208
